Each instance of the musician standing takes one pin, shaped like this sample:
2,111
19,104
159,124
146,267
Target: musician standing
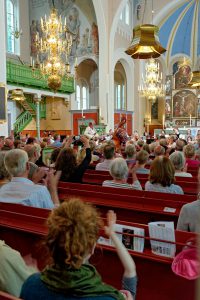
90,131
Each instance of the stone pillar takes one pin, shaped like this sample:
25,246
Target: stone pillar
4,125
37,101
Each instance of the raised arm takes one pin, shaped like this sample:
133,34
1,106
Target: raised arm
125,257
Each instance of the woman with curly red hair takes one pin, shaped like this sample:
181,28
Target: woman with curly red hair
73,230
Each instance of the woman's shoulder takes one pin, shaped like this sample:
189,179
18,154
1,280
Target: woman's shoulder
176,188
34,288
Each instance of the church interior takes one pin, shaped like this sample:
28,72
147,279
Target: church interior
100,99
103,83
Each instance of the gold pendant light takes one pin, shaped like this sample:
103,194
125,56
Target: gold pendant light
145,42
195,82
17,95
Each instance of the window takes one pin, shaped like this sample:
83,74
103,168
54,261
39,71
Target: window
10,26
82,96
120,97
125,14
11,20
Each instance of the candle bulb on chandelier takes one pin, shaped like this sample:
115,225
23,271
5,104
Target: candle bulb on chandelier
82,112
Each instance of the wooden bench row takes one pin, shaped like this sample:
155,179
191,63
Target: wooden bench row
26,225
130,205
96,177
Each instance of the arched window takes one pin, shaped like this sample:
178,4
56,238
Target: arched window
10,26
120,87
120,97
125,14
82,95
11,21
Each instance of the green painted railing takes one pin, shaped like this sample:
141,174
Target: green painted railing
22,75
31,102
22,121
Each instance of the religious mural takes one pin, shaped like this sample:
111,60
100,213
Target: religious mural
184,104
168,109
169,84
183,76
85,33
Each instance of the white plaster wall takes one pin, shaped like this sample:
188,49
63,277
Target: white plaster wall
3,126
24,25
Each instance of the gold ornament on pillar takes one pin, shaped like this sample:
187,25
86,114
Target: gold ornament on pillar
17,95
145,43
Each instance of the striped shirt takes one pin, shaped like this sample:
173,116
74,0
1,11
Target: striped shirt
135,186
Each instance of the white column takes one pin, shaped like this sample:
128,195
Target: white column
3,126
37,101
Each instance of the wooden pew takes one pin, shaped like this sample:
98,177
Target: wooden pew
126,192
189,187
135,206
28,233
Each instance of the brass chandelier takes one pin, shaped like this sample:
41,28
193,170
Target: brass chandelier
53,48
152,86
145,43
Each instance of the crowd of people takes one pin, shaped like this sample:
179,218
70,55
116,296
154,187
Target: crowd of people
73,226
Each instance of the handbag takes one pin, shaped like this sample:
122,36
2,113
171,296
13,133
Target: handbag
186,264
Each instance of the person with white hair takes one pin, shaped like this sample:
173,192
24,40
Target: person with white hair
20,189
178,160
119,171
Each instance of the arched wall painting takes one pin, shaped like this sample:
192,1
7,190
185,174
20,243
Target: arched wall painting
183,76
184,104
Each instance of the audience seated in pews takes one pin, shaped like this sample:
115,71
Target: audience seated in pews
159,151
130,152
178,160
189,217
33,151
189,152
161,177
57,142
119,171
93,148
73,230
22,190
109,155
67,166
4,175
141,160
14,270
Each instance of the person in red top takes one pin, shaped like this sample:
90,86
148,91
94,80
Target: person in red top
189,152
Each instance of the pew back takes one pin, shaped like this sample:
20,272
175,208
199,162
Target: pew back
29,232
138,206
189,186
